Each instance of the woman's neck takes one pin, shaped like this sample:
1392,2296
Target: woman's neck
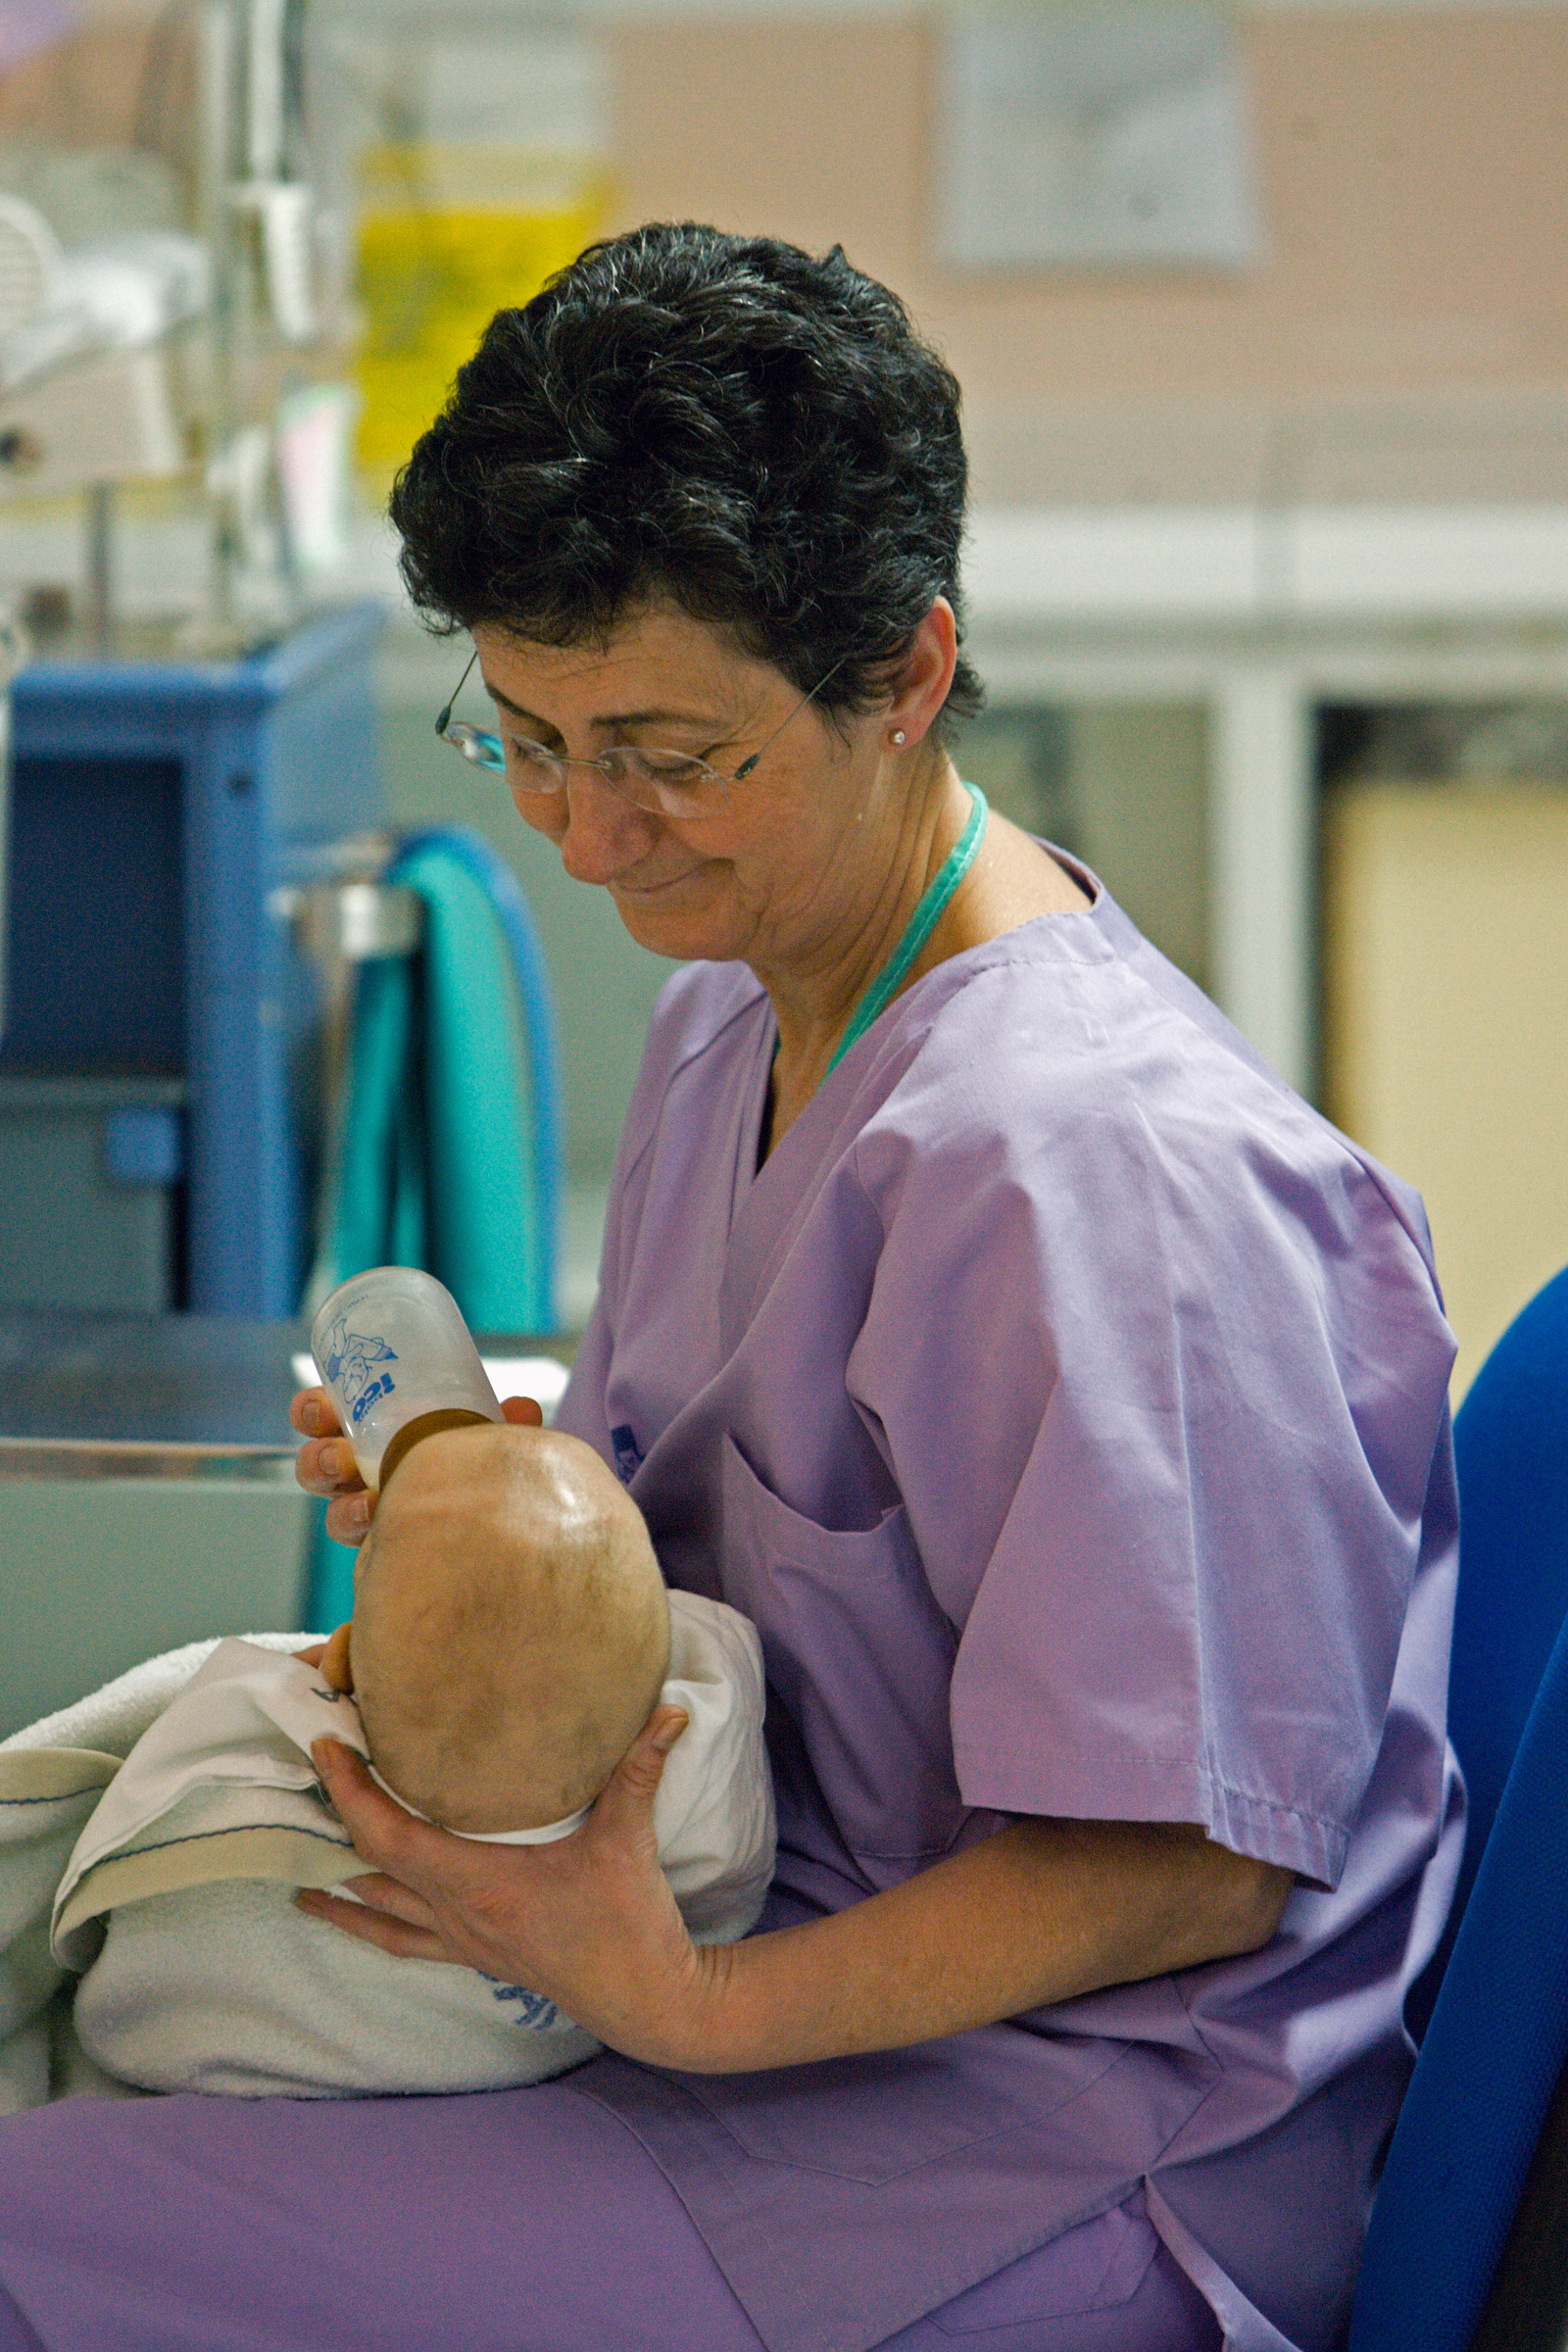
815,998
1012,881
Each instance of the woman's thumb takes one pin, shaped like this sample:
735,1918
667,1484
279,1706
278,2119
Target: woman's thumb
642,1767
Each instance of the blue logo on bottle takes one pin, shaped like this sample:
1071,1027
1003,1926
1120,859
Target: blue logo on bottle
350,1359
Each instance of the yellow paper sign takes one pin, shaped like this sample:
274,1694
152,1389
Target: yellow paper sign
448,236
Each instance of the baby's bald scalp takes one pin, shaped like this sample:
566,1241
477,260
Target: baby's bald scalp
510,1627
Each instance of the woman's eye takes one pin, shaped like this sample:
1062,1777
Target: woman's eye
676,766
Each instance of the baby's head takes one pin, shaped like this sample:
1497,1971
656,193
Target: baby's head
511,1627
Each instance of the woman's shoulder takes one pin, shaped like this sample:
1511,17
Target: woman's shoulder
1072,1044
1063,1014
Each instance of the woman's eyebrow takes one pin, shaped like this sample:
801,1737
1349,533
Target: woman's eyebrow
614,719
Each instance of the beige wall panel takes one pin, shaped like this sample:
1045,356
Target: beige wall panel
1414,169
1413,163
1445,1003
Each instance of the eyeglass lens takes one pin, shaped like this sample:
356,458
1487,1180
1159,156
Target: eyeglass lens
650,779
476,744
645,777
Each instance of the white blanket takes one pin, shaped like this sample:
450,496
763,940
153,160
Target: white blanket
170,1885
52,1775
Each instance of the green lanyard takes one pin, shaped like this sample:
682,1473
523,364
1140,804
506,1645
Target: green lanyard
921,923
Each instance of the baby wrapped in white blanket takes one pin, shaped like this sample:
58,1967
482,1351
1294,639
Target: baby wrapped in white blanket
510,1633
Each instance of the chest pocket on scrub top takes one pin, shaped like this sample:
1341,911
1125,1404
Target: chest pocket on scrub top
860,1654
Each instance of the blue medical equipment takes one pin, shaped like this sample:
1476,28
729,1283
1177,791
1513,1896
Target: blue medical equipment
449,1148
459,850
1497,2037
158,811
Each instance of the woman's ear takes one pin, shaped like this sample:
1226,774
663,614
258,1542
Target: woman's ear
924,677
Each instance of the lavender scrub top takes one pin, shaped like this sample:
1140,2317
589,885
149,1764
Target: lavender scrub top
1066,1402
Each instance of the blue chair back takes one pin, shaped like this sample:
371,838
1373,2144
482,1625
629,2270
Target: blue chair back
1511,1443
1490,2063
1497,2034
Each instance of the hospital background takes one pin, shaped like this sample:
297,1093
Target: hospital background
1261,316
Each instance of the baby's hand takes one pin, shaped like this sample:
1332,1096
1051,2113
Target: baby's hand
335,1670
330,1659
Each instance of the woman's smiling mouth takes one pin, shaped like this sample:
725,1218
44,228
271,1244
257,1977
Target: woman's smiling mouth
635,886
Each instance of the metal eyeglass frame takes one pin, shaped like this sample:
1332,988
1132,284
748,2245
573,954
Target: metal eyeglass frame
486,749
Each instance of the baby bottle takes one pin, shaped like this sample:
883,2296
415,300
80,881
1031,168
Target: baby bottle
397,1359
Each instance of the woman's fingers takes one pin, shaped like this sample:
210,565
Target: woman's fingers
393,1900
416,1868
385,1833
348,1517
386,1933
325,1465
311,1413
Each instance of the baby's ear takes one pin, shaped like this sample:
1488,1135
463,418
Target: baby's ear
335,1670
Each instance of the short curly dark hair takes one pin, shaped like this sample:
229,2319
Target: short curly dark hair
724,421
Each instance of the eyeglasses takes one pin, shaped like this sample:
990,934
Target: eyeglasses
676,783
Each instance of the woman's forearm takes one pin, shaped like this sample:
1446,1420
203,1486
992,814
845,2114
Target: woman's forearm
1041,1912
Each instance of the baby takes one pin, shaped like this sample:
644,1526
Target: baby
511,1635
510,1630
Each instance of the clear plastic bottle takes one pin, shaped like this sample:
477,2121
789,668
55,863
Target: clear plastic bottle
399,1363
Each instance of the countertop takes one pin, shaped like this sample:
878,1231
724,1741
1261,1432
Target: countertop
84,1396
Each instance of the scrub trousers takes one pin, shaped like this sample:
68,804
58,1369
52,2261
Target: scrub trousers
527,2221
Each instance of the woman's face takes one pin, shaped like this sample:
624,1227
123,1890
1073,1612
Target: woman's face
774,876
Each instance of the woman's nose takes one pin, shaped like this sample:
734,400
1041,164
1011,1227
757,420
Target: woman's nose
603,833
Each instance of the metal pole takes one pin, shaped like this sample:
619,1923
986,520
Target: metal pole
11,655
215,221
98,616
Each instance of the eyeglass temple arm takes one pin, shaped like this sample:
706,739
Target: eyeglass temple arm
745,766
444,720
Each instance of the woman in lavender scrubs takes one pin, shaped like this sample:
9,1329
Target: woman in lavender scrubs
1062,1397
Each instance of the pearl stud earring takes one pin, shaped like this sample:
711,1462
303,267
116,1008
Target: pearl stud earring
898,735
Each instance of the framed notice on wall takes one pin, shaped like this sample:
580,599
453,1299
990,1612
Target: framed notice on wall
1110,134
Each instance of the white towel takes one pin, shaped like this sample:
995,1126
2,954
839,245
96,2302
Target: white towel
52,1775
208,1977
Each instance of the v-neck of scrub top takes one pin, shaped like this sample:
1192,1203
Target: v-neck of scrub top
767,1203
